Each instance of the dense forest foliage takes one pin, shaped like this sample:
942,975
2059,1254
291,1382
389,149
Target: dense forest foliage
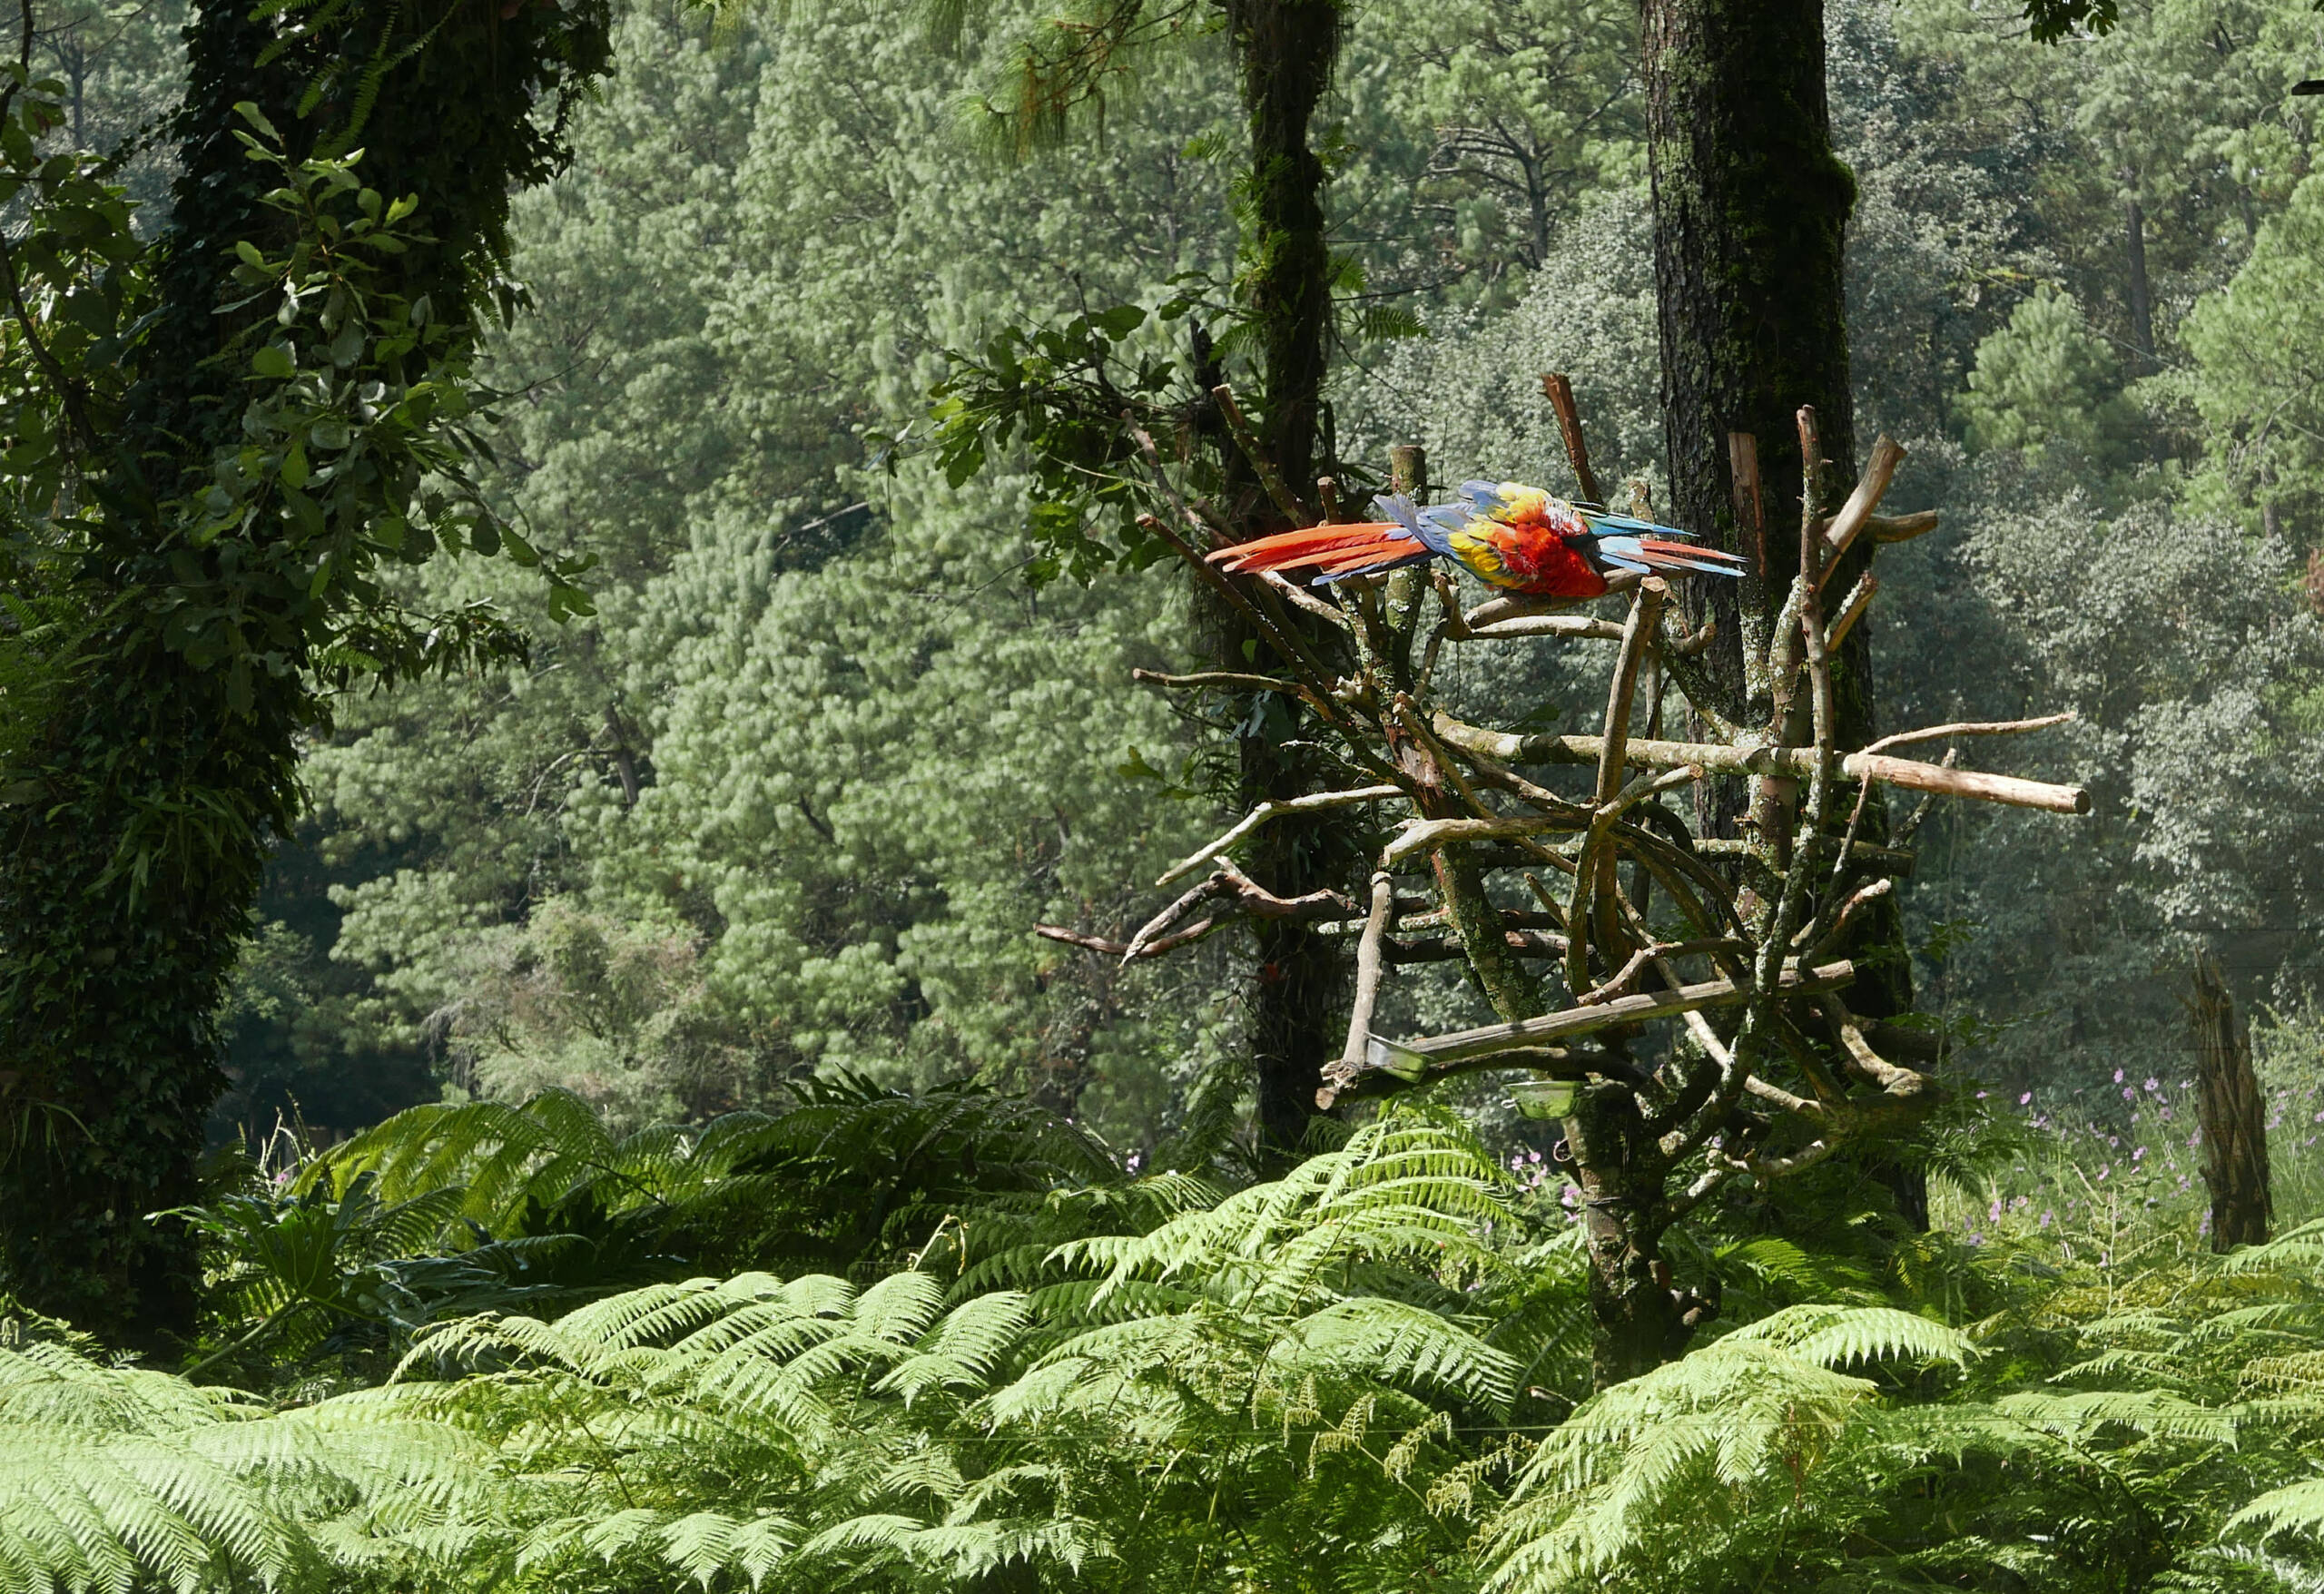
587,871
656,1149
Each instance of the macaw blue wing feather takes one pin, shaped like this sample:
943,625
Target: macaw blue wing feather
1429,525
1420,556
1482,497
1631,523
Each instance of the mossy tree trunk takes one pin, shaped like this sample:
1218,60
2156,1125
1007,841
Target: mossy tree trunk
1287,49
1751,209
2232,1112
125,890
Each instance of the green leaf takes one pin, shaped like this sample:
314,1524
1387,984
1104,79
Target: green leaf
248,111
1120,322
274,359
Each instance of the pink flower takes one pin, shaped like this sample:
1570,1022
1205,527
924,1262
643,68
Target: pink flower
2117,1076
2153,1084
2129,1093
2029,1097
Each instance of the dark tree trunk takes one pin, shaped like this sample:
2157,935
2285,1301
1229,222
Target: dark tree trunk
2232,1113
1751,209
1750,221
2142,295
1641,1322
1286,49
125,891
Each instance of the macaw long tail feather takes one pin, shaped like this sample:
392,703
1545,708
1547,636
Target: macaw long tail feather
1337,550
1655,555
1602,521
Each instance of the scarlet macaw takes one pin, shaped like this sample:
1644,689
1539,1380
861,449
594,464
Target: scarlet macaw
1512,536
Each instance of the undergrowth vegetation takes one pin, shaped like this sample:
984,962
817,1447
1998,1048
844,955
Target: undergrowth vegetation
889,1341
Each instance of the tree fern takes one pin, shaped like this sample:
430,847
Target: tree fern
118,1480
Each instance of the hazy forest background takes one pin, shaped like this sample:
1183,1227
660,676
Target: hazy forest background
790,799
758,839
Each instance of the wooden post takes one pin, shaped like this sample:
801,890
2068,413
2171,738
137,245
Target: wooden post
2232,1113
1559,393
1408,475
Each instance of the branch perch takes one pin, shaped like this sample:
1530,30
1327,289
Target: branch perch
1267,811
1796,763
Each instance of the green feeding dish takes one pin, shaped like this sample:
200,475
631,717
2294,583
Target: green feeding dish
1404,1063
1543,1099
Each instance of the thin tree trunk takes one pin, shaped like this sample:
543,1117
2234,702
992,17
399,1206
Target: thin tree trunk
2142,297
1640,1323
1287,49
2232,1113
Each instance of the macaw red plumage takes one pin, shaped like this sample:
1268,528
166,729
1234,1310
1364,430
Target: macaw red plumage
1512,536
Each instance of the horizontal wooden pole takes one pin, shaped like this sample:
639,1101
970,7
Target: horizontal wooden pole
1410,1057
1901,528
1760,759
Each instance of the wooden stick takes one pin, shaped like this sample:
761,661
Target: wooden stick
1113,948
1759,759
1427,835
1751,505
1328,489
1589,916
1575,626
1300,597
1559,393
1972,728
1366,1082
1655,952
1265,811
1855,515
1851,609
1901,528
1637,631
1495,1039
1369,966
1594,884
1247,440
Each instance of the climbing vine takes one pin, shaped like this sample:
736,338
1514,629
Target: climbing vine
218,447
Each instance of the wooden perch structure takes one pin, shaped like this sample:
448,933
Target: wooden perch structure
1760,759
1632,919
1409,1059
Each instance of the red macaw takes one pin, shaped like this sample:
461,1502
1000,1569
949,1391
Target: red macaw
1512,536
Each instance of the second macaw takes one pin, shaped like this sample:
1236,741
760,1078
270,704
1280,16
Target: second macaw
1512,536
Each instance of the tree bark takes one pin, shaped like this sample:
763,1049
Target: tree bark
1751,209
1641,1322
125,892
2232,1112
2142,297
1287,49
1750,221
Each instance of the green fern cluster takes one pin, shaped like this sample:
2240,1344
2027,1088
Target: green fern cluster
447,1210
1364,1374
